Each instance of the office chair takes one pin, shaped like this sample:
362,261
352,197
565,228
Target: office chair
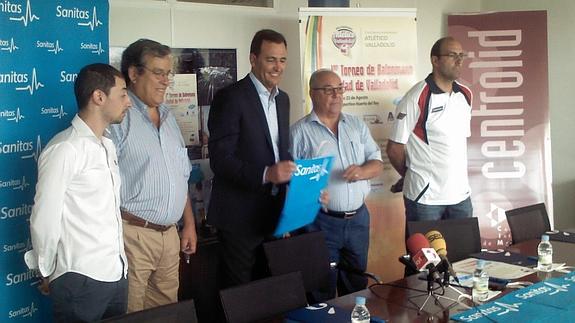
263,299
308,254
528,222
461,235
182,312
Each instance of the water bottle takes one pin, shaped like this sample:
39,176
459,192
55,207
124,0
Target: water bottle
545,254
360,314
480,290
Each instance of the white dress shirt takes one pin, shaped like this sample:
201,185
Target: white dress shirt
75,223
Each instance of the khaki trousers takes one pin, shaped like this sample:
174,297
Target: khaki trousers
153,266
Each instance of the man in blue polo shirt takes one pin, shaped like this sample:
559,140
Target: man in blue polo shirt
428,145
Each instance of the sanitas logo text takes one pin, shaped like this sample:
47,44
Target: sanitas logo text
73,13
27,16
16,147
22,147
20,247
8,45
92,47
26,311
55,112
8,7
13,77
67,77
497,307
53,47
15,184
15,279
7,113
318,169
313,169
11,115
9,213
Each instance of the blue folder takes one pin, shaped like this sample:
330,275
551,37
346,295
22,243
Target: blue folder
302,200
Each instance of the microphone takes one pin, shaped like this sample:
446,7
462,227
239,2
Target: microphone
422,255
438,243
407,262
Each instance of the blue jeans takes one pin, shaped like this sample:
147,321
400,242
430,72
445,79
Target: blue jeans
422,212
348,242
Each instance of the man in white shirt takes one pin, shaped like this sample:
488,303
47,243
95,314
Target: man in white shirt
76,228
428,145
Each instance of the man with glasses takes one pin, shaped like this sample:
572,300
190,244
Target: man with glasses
428,145
326,131
154,168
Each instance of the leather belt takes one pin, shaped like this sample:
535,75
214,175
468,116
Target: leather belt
342,214
137,221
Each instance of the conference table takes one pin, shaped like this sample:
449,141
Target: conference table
399,301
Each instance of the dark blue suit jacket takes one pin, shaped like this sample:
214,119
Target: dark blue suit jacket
240,148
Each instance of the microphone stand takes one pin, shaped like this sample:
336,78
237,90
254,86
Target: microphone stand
433,277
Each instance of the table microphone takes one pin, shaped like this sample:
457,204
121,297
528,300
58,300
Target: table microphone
407,262
422,255
438,243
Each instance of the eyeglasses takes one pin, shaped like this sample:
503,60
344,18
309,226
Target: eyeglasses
158,73
328,90
455,56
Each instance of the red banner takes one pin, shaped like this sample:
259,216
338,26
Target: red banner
509,149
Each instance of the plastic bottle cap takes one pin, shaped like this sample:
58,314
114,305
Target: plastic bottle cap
359,300
545,238
480,264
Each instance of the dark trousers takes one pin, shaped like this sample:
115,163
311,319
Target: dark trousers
242,258
78,298
348,242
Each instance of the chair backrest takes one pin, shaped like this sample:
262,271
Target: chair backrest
182,312
306,253
461,235
263,299
528,222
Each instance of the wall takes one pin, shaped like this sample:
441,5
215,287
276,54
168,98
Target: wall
199,25
211,26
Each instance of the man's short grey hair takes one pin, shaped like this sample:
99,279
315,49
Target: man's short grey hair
315,75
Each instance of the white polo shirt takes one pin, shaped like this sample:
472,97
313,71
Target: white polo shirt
434,126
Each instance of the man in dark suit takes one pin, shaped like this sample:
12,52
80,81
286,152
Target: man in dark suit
248,146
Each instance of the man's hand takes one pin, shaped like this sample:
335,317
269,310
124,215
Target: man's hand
353,173
324,199
188,240
44,286
280,172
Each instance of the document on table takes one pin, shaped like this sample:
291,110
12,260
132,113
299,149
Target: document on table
494,269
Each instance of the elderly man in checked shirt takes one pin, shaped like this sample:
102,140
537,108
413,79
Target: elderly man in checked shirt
357,158
154,168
